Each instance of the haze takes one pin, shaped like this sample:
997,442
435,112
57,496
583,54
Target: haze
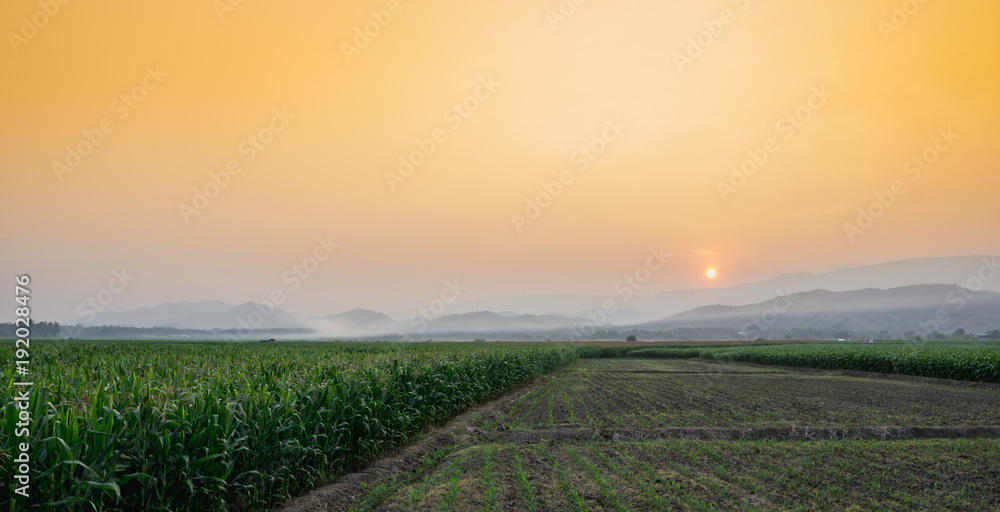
497,98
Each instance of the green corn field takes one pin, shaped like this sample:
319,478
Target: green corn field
234,427
971,364
955,363
239,427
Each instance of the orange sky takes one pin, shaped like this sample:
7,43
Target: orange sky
557,82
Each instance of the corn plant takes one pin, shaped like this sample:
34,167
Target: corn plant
123,426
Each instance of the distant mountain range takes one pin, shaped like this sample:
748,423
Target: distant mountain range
890,301
199,315
959,270
920,308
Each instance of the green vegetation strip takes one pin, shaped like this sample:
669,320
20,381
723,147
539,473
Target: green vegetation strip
489,480
200,427
969,364
528,492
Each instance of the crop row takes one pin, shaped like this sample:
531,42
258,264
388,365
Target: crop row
120,427
969,364
686,393
705,475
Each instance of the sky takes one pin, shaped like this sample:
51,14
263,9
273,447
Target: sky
376,154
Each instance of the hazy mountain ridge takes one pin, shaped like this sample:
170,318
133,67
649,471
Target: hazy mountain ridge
918,308
913,308
356,322
489,321
779,303
199,315
160,315
946,270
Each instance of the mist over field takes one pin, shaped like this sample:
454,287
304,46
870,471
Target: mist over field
959,303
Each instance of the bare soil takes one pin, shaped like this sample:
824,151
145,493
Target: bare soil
697,394
703,434
739,434
348,490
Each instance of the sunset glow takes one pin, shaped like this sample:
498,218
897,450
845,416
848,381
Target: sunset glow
205,149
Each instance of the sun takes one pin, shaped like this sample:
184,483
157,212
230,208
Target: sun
710,273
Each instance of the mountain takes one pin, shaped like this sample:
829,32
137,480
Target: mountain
965,271
199,315
161,315
489,321
919,308
249,315
961,271
897,297
356,322
360,317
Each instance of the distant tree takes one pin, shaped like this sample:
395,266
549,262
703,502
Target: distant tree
958,334
46,330
995,334
909,334
605,335
884,335
631,337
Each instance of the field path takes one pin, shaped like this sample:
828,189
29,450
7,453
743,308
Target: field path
350,489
